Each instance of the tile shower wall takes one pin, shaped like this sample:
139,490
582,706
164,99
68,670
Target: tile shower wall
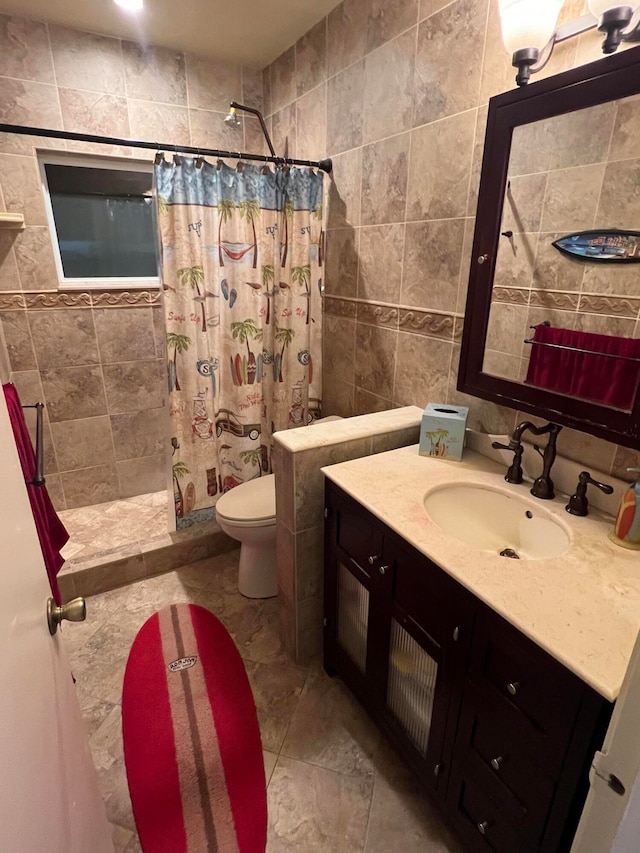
396,93
96,359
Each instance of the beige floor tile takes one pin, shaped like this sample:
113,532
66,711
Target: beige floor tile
330,774
330,729
106,743
94,713
270,759
406,820
276,690
98,528
313,809
121,838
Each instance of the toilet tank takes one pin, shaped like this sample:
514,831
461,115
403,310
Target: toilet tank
325,420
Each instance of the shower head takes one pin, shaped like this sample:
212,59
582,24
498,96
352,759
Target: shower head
232,118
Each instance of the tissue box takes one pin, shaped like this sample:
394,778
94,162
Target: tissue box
442,431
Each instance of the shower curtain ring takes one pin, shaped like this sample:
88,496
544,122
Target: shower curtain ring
176,159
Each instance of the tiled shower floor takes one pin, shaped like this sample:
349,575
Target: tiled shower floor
103,527
334,785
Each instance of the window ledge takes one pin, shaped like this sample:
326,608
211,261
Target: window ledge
13,221
109,284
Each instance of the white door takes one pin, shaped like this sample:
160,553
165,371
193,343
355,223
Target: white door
610,821
49,795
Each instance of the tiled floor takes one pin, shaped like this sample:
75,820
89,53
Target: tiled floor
105,526
334,784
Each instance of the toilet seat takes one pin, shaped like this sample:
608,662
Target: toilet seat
251,504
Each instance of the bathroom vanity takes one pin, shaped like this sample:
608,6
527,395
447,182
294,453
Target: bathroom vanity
494,677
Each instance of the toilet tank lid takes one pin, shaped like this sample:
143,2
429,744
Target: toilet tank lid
250,501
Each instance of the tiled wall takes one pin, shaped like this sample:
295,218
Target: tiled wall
396,93
96,359
299,455
556,188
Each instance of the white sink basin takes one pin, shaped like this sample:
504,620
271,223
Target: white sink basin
493,520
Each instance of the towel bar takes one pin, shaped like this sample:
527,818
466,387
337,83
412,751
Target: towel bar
583,351
38,479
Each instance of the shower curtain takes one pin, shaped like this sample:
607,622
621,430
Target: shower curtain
241,254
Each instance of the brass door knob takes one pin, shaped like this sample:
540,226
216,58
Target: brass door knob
74,611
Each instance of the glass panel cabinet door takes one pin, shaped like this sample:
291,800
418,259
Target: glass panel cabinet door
353,617
411,686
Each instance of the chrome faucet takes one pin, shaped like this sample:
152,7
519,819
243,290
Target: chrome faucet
543,485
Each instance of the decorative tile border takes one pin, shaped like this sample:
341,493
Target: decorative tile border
337,307
121,298
429,323
10,301
510,295
616,306
435,324
58,299
554,299
377,315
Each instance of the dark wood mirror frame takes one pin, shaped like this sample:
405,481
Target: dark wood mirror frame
609,79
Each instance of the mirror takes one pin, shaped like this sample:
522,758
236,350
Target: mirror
552,319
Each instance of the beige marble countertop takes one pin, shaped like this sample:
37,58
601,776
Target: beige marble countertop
583,607
345,429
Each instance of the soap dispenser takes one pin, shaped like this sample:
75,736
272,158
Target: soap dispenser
626,530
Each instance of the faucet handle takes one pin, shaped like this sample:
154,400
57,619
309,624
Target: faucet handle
578,503
514,474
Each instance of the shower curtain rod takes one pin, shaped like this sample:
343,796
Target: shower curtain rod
324,165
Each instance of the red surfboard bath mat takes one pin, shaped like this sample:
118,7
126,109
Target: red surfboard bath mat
192,744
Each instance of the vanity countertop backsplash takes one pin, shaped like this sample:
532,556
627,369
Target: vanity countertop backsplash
583,607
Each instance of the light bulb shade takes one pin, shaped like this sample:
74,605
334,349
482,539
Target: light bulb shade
528,23
130,5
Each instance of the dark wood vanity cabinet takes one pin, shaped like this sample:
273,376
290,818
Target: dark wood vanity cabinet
500,732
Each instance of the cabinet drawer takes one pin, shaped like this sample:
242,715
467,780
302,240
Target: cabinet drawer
494,744
480,819
357,536
546,694
431,598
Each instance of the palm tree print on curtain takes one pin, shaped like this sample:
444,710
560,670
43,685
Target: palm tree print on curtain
242,281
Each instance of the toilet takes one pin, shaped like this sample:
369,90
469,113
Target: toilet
248,514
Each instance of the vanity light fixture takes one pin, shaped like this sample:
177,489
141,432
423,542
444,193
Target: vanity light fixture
530,31
130,5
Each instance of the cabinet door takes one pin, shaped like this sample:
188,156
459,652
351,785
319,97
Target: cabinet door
428,637
353,545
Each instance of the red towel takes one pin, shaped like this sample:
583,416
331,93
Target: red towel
612,381
51,531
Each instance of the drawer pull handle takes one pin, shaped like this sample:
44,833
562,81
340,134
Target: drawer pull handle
383,570
513,687
497,761
373,559
456,634
436,770
483,826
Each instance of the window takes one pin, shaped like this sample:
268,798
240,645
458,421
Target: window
101,220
